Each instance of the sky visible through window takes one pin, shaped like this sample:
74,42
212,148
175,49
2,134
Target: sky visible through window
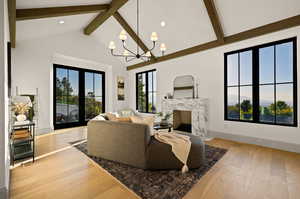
284,73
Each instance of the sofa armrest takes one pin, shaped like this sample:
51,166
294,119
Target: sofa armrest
119,141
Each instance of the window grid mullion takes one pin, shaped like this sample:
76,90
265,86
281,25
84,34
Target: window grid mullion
239,87
152,93
255,89
275,95
68,95
147,93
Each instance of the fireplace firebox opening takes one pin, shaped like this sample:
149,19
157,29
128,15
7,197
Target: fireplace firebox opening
182,121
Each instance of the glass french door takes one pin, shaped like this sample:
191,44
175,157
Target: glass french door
93,94
79,95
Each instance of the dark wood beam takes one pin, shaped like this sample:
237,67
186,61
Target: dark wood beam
214,18
177,54
131,32
37,13
12,21
102,17
262,30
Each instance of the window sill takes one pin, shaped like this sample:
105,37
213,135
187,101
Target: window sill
264,123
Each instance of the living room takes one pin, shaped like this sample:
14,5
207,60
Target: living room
204,94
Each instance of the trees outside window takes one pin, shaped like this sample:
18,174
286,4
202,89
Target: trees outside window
146,91
78,95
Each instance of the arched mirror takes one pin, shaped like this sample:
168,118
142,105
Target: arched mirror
184,87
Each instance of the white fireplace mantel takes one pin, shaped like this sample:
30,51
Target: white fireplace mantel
198,107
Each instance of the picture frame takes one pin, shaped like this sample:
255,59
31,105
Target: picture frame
121,88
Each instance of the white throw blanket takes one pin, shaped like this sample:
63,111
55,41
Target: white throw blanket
181,146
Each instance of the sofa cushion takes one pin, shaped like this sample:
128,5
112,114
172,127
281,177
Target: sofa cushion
112,116
149,120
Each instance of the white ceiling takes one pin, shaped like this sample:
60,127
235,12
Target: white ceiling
187,22
45,27
240,15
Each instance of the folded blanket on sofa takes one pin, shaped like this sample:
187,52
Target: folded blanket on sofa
181,146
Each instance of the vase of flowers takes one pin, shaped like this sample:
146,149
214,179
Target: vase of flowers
21,106
164,118
20,110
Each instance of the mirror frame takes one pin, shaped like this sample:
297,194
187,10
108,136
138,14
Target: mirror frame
192,88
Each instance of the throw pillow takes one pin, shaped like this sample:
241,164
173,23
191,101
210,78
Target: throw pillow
111,116
116,118
149,120
126,113
99,117
123,119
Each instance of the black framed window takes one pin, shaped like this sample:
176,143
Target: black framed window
79,95
261,84
146,91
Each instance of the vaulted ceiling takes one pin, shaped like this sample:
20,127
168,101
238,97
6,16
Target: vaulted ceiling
187,22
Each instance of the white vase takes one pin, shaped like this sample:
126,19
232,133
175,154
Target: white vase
21,117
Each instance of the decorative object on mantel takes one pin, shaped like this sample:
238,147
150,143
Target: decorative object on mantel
169,96
199,112
184,87
121,87
21,106
130,55
164,118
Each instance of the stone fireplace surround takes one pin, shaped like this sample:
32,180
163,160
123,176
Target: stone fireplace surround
198,107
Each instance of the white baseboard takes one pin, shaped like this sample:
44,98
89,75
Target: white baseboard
3,193
257,141
43,131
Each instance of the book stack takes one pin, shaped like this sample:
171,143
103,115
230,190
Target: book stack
21,134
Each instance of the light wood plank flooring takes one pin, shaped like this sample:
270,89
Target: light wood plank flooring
245,172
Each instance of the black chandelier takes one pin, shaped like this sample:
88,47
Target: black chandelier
130,55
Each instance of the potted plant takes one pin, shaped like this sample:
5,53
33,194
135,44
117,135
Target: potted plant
164,118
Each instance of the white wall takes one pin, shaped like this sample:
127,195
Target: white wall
32,67
4,151
208,66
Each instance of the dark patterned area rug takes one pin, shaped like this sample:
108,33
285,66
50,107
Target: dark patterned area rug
170,184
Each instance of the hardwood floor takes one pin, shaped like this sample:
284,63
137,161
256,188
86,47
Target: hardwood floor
246,171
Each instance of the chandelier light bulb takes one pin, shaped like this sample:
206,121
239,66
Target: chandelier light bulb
125,53
163,47
148,54
112,45
154,36
123,35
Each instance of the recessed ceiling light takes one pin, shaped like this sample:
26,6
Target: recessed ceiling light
163,24
61,22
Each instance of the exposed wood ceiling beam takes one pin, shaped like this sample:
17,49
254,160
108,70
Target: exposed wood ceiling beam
12,21
131,32
214,18
262,30
102,17
37,13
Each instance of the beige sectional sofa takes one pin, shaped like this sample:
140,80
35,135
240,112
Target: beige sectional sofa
132,144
